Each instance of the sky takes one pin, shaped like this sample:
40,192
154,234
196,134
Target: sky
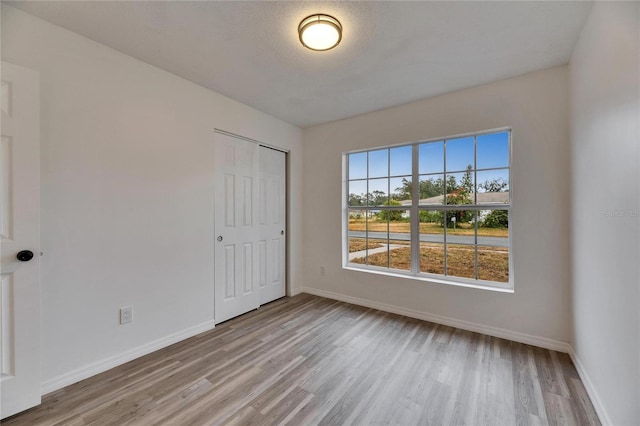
492,152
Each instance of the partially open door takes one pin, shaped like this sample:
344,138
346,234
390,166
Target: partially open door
20,236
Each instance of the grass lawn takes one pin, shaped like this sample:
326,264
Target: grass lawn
493,262
425,228
359,244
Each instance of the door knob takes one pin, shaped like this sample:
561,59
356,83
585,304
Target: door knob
219,238
281,232
25,255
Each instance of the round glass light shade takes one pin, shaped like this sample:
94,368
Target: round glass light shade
320,32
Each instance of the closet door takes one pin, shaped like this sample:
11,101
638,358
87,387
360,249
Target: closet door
236,231
272,220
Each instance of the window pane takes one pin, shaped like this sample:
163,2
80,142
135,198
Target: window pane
399,223
461,260
378,192
358,165
492,150
493,187
431,190
358,193
400,255
461,227
379,257
357,223
431,241
459,154
493,264
493,228
379,163
378,233
459,188
358,249
432,226
400,239
356,234
357,258
432,258
356,245
431,157
400,161
401,190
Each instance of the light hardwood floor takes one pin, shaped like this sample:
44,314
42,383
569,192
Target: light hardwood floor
307,360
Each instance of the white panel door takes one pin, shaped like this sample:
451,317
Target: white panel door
236,200
19,232
272,220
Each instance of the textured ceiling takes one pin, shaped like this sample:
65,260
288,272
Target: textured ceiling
391,52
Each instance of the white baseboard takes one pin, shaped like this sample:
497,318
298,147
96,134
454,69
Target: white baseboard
515,336
591,390
101,366
295,291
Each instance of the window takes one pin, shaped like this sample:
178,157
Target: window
453,225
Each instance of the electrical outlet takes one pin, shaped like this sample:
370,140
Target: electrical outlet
323,271
126,315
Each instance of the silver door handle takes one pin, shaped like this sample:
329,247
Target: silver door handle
281,232
219,238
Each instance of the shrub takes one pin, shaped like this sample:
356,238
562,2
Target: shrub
496,219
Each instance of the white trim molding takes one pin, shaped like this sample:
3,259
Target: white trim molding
101,366
295,291
591,390
542,342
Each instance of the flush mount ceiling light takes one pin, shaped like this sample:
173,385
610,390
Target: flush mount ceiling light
320,32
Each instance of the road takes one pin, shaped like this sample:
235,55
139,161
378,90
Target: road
434,238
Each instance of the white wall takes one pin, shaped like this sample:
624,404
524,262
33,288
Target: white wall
605,133
127,194
536,107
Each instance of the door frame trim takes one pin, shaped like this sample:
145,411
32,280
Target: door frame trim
244,138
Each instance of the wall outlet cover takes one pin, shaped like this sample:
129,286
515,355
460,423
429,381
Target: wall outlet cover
126,315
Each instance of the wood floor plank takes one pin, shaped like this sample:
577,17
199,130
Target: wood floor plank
307,360
529,402
581,404
550,375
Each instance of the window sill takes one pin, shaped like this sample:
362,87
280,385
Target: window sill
429,279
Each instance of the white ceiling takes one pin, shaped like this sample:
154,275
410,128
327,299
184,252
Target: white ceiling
391,52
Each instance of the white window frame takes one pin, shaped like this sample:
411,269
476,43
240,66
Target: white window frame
414,210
